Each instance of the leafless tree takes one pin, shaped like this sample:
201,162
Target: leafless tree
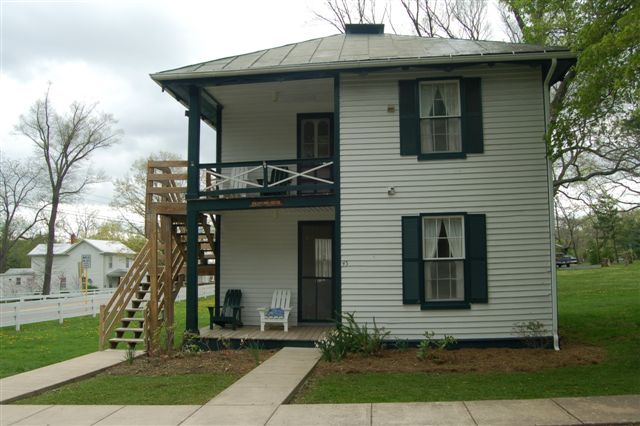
339,13
448,18
21,186
82,223
64,144
129,191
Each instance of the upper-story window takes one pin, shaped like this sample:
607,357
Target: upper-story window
315,138
440,118
110,261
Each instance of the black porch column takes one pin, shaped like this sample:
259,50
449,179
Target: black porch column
193,175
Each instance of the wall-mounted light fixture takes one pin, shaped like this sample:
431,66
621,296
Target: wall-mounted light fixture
391,190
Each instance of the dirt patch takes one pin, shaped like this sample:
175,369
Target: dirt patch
227,361
464,360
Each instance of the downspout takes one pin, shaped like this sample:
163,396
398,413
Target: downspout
552,261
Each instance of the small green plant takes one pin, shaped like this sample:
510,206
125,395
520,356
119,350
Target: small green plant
429,347
129,355
352,337
224,343
402,344
190,343
254,348
532,333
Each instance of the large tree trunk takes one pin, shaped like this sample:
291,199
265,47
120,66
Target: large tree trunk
48,262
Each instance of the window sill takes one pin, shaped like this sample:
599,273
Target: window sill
426,306
442,156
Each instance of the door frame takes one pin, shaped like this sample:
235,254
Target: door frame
334,287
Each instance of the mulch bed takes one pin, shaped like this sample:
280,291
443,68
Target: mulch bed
226,361
464,360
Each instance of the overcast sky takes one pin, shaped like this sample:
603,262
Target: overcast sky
104,51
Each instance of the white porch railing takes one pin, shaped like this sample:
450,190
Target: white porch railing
278,177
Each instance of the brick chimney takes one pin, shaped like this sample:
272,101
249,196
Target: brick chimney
73,238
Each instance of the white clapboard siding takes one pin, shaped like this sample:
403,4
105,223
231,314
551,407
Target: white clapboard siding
259,254
508,183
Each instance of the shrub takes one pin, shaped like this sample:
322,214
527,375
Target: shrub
429,347
352,337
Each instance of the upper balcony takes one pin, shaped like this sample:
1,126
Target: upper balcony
267,183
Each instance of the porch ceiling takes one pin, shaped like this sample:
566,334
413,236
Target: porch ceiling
295,91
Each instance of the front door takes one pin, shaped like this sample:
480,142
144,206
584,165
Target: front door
316,272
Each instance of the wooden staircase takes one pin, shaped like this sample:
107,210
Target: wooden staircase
141,308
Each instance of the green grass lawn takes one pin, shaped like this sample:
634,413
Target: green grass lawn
596,306
44,343
139,390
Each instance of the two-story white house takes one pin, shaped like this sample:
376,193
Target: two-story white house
102,262
396,177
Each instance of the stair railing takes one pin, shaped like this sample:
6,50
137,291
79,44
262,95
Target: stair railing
112,312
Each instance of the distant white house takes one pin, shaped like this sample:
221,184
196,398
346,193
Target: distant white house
103,262
16,281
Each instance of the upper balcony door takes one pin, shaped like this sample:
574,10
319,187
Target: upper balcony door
315,140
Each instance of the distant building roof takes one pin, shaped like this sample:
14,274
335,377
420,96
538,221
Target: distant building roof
103,246
58,248
111,247
356,50
19,271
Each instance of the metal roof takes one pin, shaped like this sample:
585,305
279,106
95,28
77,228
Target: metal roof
344,51
103,246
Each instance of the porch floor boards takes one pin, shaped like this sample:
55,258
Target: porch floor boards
295,333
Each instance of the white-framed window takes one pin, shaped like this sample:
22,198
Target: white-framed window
127,262
63,282
443,253
440,117
18,281
110,261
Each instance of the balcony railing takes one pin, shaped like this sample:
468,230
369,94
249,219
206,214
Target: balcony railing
281,178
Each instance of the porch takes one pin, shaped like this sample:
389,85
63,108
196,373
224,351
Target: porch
272,337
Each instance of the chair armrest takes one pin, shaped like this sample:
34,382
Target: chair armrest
262,309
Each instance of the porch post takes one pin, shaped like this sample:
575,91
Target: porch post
193,154
192,269
337,253
193,186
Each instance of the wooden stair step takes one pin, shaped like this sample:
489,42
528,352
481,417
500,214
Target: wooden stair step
133,329
126,340
134,309
128,319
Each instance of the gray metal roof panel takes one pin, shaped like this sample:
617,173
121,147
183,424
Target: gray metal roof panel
347,49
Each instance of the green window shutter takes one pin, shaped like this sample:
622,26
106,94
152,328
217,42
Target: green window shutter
472,137
476,254
411,260
409,117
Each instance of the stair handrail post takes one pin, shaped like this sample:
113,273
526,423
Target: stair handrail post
101,328
153,279
168,279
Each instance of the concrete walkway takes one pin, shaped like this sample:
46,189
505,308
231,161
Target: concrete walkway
258,398
601,410
41,379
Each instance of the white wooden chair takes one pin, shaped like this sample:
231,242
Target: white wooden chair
279,310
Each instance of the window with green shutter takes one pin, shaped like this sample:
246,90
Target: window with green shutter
440,119
444,263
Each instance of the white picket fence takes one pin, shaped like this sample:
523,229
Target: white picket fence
32,309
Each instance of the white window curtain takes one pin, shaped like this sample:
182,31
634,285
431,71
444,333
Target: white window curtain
453,228
323,257
451,98
427,93
430,238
